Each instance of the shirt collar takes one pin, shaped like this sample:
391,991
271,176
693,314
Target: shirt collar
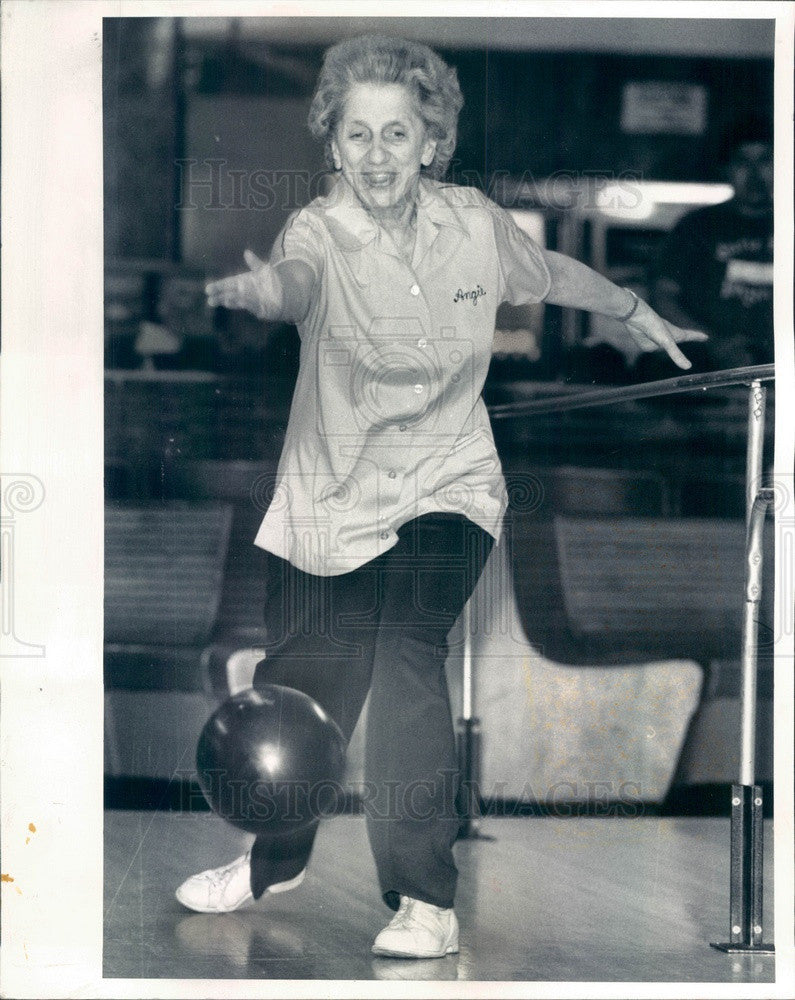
352,226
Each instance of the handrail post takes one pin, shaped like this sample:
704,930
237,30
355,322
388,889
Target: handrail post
466,700
468,743
757,398
753,591
746,875
755,510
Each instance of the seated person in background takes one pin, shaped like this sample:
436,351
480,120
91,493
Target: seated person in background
715,269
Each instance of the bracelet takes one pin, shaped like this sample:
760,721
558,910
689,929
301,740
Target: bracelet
633,307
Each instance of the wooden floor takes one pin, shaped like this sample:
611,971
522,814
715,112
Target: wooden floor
549,899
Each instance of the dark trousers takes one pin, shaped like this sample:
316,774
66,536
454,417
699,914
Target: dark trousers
382,627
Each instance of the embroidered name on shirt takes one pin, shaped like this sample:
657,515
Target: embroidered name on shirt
472,296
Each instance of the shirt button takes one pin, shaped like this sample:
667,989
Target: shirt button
418,388
415,289
392,474
422,342
385,534
402,427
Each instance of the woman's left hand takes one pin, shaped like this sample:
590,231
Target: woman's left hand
652,333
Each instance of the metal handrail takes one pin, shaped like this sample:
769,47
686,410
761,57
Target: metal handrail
573,399
745,906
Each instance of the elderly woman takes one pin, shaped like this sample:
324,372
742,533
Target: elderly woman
389,493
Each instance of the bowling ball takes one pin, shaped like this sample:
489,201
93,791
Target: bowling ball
270,760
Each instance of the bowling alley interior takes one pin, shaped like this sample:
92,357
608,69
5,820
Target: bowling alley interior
606,708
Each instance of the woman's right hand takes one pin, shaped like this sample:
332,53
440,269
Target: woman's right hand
258,290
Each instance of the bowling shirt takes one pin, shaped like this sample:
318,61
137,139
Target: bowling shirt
387,421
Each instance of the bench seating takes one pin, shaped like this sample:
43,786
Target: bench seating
163,573
163,578
623,589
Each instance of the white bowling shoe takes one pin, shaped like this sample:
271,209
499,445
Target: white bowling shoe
221,890
418,930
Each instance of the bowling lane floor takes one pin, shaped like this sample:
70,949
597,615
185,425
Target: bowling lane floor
548,899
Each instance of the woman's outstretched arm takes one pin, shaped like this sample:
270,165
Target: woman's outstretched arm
580,287
279,293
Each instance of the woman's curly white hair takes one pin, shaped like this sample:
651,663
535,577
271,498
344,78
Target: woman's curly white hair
383,59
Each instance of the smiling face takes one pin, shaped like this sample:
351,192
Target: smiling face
380,144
